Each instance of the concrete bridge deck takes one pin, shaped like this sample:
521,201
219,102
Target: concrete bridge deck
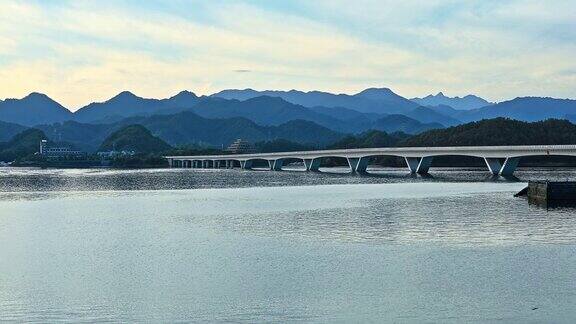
501,160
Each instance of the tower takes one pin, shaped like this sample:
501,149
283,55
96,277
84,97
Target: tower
43,144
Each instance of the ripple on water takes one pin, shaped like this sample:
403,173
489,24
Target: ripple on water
233,246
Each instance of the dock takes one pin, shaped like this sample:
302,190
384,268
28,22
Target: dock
552,194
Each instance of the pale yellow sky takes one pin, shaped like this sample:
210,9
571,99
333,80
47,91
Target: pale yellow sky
83,51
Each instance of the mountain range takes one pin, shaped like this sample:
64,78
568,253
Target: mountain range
264,115
127,104
524,109
189,128
373,100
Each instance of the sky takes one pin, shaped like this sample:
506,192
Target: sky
79,52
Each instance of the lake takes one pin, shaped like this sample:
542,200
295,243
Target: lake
251,246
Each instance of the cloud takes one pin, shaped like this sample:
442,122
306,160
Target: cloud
79,52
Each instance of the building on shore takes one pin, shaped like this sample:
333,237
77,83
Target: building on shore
240,146
60,153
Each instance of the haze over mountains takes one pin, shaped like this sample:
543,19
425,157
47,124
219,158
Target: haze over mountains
371,100
304,117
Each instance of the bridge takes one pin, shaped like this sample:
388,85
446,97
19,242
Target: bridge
500,160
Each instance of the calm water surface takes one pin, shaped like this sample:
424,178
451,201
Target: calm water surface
234,246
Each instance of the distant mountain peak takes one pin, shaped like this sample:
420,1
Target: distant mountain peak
36,99
36,95
184,94
379,94
376,91
125,94
440,95
36,108
460,103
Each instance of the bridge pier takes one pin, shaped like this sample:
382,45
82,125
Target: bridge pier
362,164
494,165
419,165
424,165
505,169
312,164
358,164
509,166
277,165
353,163
412,163
246,165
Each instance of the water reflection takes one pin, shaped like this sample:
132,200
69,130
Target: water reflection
468,219
400,213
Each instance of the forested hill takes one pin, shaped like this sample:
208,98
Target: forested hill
21,145
499,131
369,139
8,130
134,138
